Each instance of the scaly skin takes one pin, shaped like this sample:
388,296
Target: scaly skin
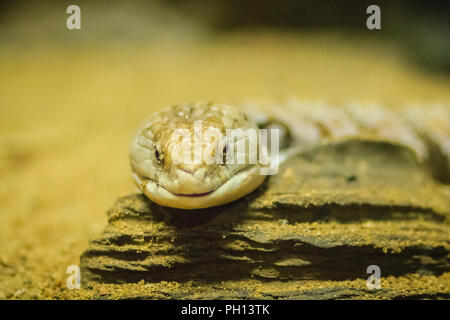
425,130
191,185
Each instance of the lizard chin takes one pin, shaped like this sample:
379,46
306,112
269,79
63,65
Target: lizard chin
240,184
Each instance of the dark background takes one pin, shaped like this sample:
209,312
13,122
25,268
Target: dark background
421,28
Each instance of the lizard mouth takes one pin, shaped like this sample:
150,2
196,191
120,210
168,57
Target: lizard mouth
195,194
240,184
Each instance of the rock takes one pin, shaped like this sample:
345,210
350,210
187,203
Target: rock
308,233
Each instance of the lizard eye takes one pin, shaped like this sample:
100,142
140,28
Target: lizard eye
158,156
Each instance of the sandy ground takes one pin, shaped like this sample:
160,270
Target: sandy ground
68,113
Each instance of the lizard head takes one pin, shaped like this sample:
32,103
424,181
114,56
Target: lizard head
196,156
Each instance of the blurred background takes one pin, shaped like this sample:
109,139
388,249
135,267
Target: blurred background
70,100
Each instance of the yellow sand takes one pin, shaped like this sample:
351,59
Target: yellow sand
67,114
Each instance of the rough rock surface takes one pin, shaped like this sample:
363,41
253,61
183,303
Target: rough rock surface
309,233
